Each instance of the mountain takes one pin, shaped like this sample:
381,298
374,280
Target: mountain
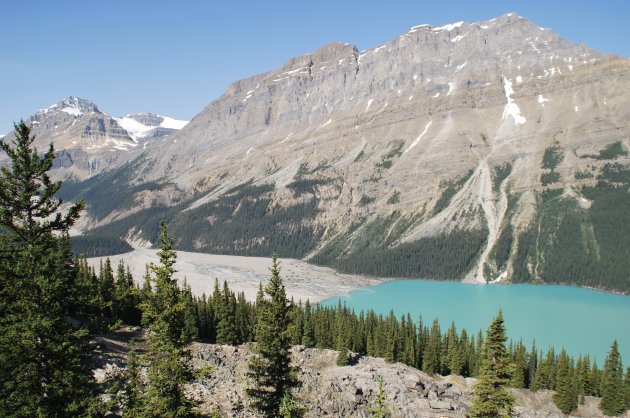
491,151
89,141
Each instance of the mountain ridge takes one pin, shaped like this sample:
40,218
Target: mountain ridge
470,151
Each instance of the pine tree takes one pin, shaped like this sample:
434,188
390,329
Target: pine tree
612,387
270,368
565,397
164,314
44,361
491,398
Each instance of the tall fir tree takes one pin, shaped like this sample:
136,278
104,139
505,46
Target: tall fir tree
565,396
44,361
612,387
431,355
226,328
273,377
164,315
491,397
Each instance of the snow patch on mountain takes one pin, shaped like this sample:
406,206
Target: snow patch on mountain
448,27
138,130
511,108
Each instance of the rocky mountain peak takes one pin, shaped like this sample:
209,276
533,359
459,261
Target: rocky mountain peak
73,106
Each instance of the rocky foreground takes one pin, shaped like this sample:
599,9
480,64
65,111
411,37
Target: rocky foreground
327,389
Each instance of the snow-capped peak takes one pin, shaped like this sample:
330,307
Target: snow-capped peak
72,106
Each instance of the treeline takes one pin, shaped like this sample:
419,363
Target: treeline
93,246
442,257
226,317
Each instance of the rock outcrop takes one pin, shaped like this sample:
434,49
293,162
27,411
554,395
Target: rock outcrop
328,390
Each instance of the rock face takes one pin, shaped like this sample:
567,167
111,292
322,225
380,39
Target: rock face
330,390
89,141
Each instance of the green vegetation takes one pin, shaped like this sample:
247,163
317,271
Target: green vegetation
244,222
302,186
394,152
449,189
108,191
367,249
170,330
491,398
380,408
582,175
499,174
552,157
44,361
98,246
614,400
394,198
611,152
549,178
366,200
270,367
567,243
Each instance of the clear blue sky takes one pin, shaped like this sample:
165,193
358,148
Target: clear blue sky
174,57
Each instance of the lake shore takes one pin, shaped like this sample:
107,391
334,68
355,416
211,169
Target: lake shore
244,274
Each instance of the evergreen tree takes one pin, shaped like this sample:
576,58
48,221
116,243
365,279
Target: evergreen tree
431,355
565,397
44,361
627,384
612,387
226,328
308,336
521,366
107,289
270,368
491,398
380,409
164,315
131,396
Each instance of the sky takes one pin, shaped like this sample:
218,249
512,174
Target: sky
174,57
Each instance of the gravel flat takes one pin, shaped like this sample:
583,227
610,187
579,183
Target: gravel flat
302,280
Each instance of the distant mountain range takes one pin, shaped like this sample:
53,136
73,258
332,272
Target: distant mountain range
89,141
492,151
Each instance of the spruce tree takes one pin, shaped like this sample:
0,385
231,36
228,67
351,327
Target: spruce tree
565,397
164,314
612,387
273,377
226,328
308,335
44,361
491,398
431,355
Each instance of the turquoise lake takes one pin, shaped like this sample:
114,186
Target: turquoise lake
581,320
